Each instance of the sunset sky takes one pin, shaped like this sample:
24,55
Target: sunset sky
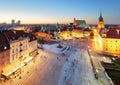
62,11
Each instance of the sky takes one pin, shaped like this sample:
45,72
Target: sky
61,11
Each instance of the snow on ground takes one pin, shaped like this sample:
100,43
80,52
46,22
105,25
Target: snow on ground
77,70
53,48
107,60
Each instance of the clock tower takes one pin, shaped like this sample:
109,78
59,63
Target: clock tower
100,23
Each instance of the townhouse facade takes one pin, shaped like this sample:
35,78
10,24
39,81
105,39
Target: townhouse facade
16,45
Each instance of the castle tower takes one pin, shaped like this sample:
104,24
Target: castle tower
100,22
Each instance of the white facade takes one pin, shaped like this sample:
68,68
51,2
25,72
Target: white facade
32,45
19,48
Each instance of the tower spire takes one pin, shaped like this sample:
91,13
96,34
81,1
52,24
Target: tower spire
100,18
100,22
100,13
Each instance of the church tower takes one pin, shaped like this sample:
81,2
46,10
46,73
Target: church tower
100,22
74,22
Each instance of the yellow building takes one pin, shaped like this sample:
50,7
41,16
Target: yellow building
77,33
18,28
111,46
71,34
65,35
111,43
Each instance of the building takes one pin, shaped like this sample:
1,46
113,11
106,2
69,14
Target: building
13,22
100,23
17,47
80,23
74,22
111,42
18,22
19,44
77,33
17,28
32,45
4,52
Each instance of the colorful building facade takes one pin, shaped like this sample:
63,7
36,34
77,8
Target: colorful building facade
111,43
4,52
15,48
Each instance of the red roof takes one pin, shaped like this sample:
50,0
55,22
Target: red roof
4,45
6,36
114,32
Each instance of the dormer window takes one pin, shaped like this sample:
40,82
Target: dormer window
118,31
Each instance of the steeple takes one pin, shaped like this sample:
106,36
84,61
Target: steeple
101,18
100,13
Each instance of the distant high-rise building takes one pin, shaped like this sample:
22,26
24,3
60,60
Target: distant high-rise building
100,22
19,22
12,21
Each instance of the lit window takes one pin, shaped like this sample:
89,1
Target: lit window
106,49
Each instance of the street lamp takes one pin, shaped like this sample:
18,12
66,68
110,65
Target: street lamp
113,58
97,70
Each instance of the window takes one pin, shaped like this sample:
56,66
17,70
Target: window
106,49
16,50
3,55
13,57
13,51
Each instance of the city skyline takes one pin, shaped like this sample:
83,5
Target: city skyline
62,11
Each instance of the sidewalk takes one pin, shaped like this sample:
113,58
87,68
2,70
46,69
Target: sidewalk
14,66
99,70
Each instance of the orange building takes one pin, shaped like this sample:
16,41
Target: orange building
42,34
111,43
4,52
